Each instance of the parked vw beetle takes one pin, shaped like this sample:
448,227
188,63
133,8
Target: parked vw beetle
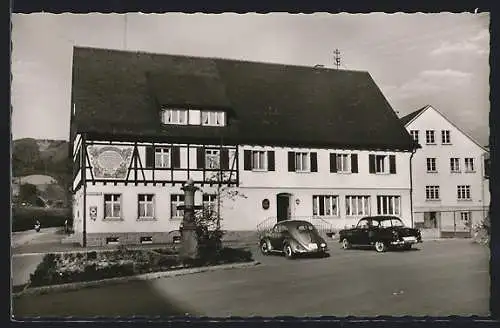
293,237
381,232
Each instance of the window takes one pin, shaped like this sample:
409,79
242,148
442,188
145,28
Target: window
363,224
326,205
380,164
429,137
302,162
465,217
209,202
258,160
174,116
455,164
212,118
112,206
146,206
343,163
357,205
162,157
176,200
414,135
212,159
431,192
388,205
469,165
431,165
445,137
463,192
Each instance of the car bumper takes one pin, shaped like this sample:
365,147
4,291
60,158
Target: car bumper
405,242
311,251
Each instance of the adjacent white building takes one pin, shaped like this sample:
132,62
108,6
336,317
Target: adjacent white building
294,141
450,187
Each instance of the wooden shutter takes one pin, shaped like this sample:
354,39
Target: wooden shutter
150,156
333,162
371,163
270,160
224,159
314,161
354,163
392,164
200,157
291,161
176,157
247,160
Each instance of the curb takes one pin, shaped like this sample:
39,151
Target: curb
146,276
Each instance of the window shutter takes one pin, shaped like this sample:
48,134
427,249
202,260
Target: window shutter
333,162
200,157
371,160
224,159
247,160
291,161
314,162
150,157
392,164
354,163
176,157
270,160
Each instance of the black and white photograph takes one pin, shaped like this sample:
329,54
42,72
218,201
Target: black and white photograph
240,165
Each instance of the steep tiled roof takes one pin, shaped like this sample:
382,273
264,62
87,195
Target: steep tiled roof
406,119
120,92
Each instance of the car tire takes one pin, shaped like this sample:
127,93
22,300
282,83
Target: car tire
287,250
264,247
346,244
380,246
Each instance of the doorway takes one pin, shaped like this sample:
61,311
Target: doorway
430,220
283,210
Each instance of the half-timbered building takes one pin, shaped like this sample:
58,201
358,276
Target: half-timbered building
294,141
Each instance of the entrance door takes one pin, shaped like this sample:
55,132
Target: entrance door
282,207
430,220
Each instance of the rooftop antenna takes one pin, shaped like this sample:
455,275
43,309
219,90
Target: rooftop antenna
336,57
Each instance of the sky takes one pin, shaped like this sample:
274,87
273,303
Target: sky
415,59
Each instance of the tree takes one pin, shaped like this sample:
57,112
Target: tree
28,193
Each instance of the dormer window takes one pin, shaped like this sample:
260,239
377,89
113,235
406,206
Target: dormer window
213,118
174,116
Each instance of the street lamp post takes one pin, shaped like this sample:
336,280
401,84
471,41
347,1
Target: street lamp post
188,232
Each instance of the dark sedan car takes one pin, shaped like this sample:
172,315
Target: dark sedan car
381,232
293,237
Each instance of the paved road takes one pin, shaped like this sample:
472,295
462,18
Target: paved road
442,278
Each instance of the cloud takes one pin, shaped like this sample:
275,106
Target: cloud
473,45
428,82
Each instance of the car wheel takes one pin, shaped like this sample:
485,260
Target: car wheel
264,247
380,246
346,244
288,251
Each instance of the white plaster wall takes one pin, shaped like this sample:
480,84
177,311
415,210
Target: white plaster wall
78,211
461,146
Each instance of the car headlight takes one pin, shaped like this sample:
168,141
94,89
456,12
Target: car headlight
323,245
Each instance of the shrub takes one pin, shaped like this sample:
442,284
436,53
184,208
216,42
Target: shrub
23,218
45,271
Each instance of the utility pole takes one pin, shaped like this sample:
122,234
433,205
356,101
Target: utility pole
336,57
125,33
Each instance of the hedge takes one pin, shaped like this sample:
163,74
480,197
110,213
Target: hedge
23,218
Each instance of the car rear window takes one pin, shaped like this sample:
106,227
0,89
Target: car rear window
305,227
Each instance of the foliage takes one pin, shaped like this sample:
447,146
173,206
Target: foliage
76,267
28,193
23,218
482,231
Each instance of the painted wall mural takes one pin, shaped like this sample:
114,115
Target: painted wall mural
110,162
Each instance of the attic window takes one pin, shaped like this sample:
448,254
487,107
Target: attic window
174,116
213,118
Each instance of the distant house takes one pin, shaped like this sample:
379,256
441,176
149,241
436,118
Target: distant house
298,142
450,186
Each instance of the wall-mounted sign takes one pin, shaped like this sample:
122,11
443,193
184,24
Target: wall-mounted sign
297,201
93,212
265,204
110,162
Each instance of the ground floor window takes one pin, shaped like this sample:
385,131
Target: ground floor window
209,202
146,206
176,200
465,217
325,205
112,206
388,205
357,205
